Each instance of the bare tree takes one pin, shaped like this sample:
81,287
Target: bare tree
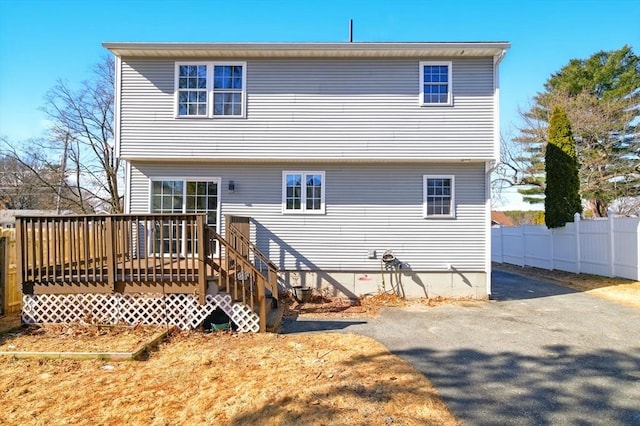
20,186
82,130
33,178
76,161
515,170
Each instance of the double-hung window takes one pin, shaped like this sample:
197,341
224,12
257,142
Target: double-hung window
303,192
439,200
192,90
211,89
435,84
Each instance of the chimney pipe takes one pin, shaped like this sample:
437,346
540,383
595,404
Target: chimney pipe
350,30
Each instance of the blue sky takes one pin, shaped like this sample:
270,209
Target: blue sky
45,40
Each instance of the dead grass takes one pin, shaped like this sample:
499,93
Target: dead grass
227,379
9,321
369,306
76,338
321,306
619,290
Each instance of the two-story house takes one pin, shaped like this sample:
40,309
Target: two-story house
339,153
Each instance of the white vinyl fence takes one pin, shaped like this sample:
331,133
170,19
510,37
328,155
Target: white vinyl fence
608,247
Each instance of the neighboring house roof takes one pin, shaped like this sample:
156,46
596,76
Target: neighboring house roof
499,218
310,50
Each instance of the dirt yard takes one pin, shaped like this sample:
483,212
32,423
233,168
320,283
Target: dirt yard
619,290
226,379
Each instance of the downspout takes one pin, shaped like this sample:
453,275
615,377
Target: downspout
490,166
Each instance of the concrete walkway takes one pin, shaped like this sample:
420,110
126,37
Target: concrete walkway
539,354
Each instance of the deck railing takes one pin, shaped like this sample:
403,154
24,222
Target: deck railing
237,234
112,253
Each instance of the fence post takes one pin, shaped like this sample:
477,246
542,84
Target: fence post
576,219
612,241
552,251
501,259
3,275
524,246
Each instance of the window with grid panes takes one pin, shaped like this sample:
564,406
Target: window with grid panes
210,89
182,196
303,192
439,196
435,83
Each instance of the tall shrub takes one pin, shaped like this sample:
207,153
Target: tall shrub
562,191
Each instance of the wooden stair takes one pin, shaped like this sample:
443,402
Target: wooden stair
275,313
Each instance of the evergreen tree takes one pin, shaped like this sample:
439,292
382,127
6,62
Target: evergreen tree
562,190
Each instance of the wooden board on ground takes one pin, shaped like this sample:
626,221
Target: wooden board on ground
76,341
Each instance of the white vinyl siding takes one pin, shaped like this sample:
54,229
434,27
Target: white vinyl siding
313,109
369,207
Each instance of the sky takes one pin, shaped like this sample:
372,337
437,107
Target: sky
42,41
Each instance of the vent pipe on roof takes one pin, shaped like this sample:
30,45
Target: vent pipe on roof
350,30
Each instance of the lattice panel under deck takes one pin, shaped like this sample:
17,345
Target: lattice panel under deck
181,310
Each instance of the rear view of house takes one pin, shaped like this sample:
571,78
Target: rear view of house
359,167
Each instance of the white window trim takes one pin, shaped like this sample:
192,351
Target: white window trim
450,83
303,201
452,215
210,67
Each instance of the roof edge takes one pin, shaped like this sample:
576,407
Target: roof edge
343,49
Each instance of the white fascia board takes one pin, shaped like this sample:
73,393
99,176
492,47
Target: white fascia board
355,50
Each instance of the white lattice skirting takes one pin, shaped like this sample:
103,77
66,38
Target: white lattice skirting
181,310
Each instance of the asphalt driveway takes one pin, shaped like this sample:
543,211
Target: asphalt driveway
538,354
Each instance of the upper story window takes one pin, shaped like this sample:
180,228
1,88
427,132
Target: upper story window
303,192
227,89
209,89
435,83
439,198
192,90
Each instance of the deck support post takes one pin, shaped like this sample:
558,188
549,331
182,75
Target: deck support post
202,257
262,305
19,258
111,258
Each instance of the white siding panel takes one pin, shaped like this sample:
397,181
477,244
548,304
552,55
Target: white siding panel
367,208
314,109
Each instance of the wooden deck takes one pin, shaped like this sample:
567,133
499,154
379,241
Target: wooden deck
164,253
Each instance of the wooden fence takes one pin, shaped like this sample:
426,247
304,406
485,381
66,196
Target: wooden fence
10,292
